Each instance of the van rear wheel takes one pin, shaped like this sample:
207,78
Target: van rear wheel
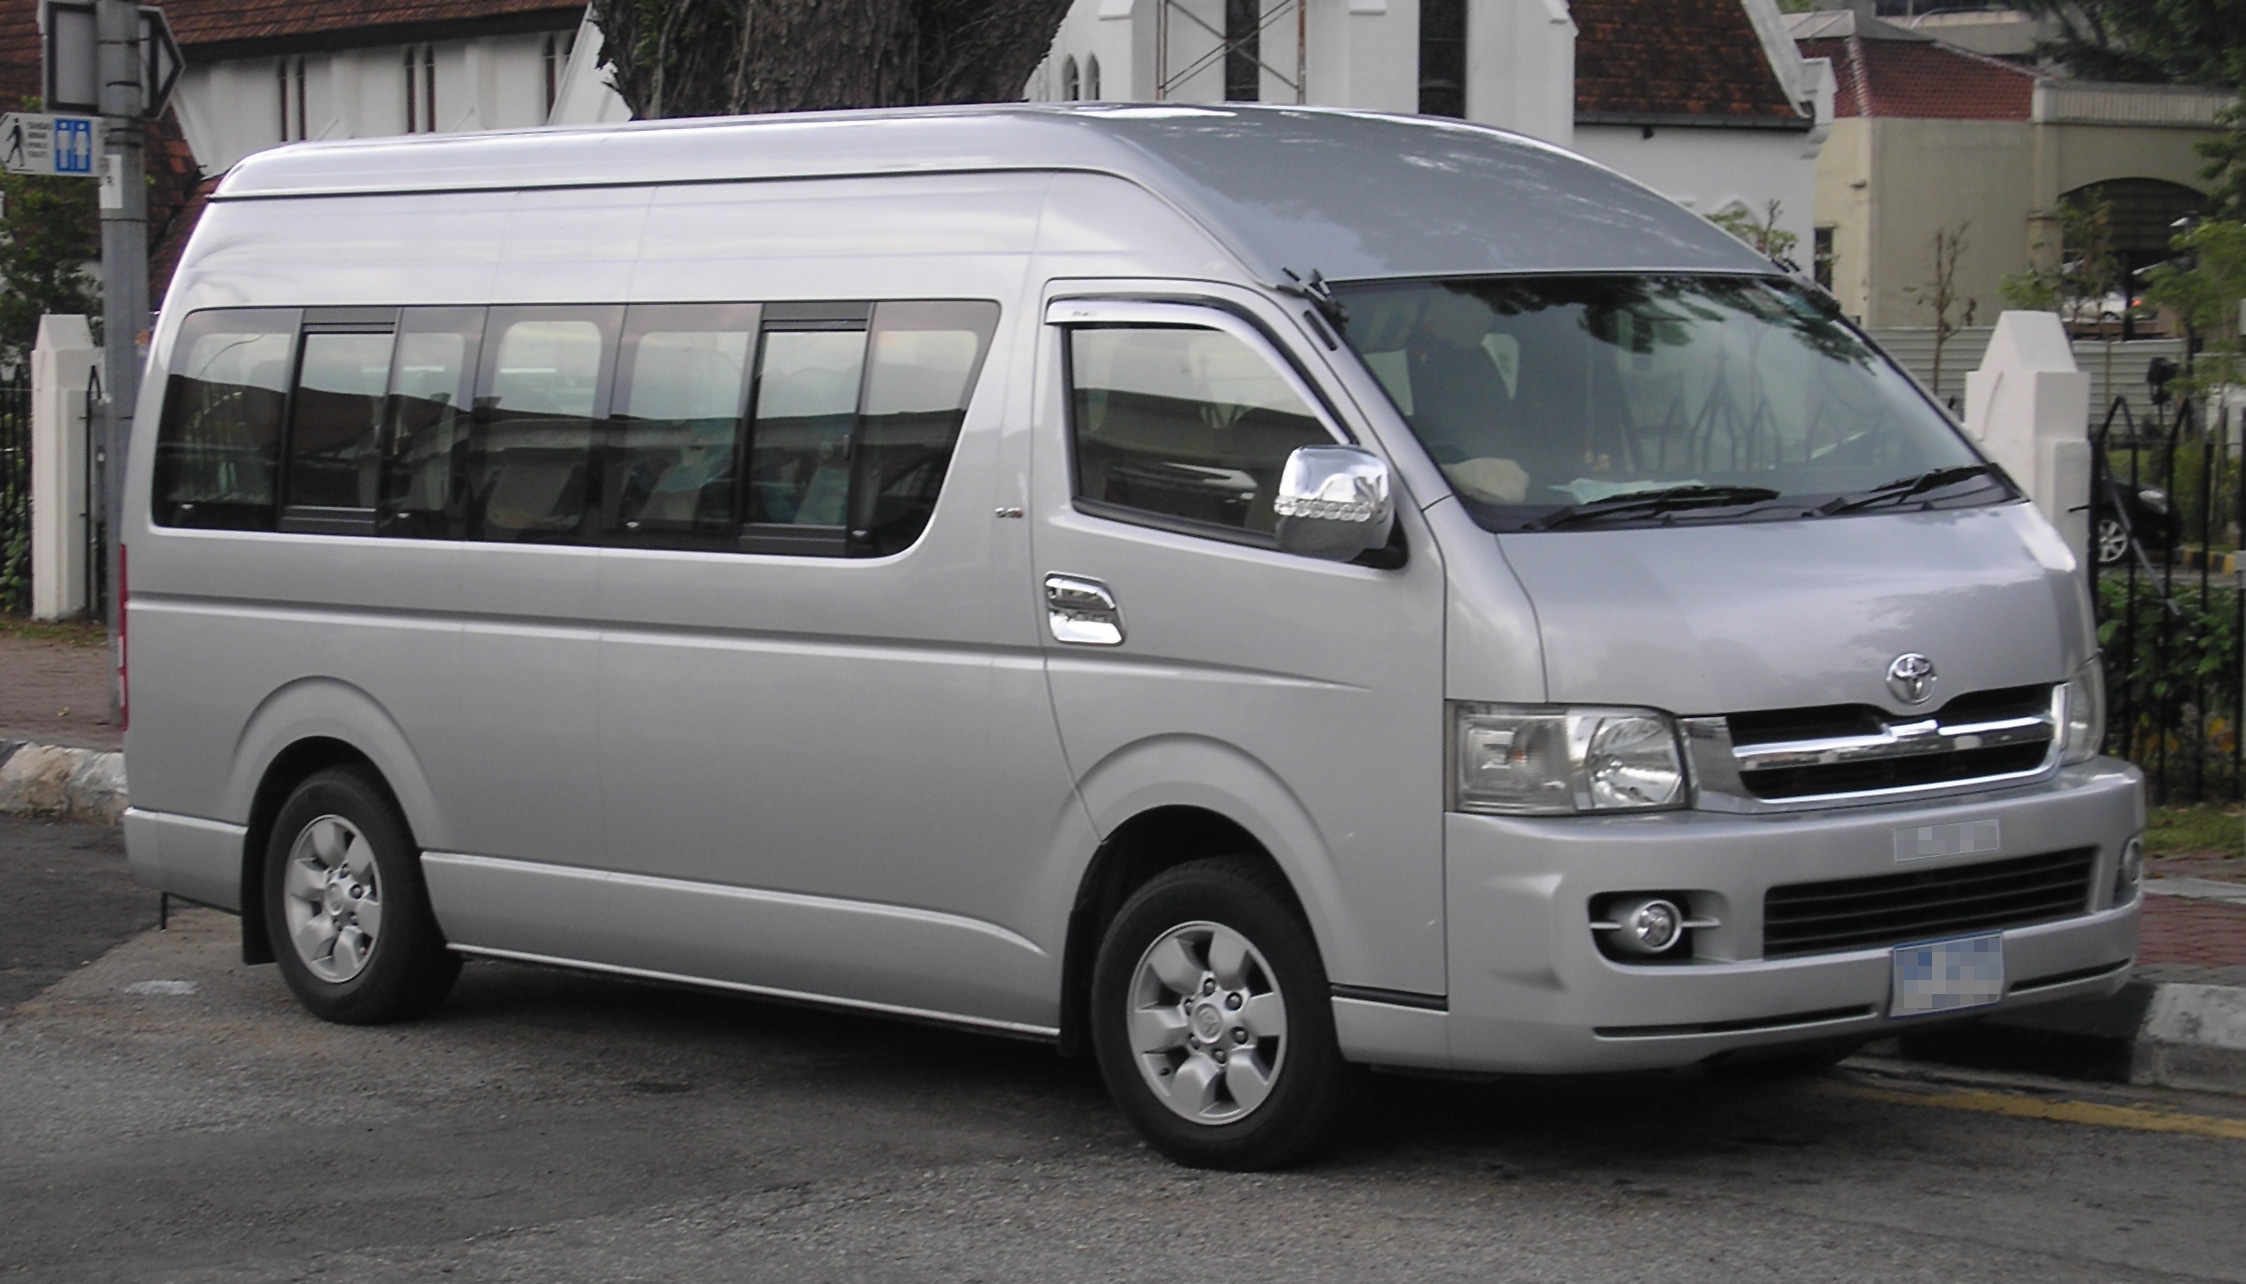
1211,1020
346,906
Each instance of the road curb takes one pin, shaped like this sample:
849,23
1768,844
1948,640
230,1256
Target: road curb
2163,1034
53,780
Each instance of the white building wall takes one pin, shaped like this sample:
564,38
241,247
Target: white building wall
1355,53
233,108
1711,170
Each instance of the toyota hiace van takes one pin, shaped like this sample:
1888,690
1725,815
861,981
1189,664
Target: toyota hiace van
1245,592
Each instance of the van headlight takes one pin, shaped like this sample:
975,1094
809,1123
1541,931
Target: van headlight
1542,760
2085,716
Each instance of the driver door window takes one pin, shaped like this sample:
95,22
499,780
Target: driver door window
1184,425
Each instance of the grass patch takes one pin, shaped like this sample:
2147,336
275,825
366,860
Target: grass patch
78,632
2203,830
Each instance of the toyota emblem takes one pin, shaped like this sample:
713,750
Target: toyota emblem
1911,677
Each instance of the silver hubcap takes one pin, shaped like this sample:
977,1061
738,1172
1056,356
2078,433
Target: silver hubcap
332,897
1208,1024
2113,542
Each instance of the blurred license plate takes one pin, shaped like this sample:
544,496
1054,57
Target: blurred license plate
1945,976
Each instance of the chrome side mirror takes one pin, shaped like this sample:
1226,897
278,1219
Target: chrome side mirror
1333,502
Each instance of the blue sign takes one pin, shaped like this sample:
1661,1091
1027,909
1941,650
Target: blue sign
74,145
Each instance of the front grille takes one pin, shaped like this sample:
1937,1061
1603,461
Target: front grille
1893,773
1855,749
1895,909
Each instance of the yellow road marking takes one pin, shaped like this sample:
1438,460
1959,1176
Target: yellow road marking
2089,1113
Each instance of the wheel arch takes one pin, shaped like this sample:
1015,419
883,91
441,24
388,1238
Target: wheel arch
303,728
1163,802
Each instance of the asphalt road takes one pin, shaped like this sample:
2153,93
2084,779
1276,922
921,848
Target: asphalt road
168,1114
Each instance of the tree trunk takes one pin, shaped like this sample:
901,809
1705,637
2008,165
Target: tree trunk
727,57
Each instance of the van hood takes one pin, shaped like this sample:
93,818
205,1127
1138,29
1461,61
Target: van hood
1773,615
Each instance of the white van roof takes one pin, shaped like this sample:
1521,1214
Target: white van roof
1352,195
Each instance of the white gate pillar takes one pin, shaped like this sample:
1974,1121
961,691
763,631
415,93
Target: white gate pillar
64,358
2029,408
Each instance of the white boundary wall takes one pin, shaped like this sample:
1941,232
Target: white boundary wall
61,362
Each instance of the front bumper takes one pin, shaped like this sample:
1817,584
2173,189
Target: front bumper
1531,991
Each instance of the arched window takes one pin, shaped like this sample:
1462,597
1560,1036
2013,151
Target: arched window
1071,86
1092,78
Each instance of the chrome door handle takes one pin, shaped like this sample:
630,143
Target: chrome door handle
1082,611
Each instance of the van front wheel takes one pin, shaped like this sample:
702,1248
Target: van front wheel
345,904
1211,1020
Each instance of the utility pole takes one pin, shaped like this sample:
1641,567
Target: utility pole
124,271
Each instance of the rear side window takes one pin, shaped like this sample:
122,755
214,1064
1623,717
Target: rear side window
543,392
921,366
820,429
1183,424
335,420
218,450
426,422
682,387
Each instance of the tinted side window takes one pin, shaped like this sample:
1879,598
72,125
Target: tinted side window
426,422
1181,423
218,449
799,445
334,420
921,370
540,396
682,388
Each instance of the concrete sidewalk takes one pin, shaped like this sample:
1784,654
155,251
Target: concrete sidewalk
2180,1023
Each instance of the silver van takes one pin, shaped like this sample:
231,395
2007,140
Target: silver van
1250,593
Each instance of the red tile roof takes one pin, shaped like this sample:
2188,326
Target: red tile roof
205,22
1657,61
1923,79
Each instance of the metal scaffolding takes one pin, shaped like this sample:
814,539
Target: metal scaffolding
1165,82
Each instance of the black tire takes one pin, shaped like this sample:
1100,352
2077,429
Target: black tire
355,850
1292,1118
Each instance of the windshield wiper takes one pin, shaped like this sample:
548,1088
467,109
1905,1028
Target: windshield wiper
1646,503
1903,488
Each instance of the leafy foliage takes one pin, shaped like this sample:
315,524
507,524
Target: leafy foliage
2187,42
50,234
724,57
1768,239
2204,285
2085,271
2172,680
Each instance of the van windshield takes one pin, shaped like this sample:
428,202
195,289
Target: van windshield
1627,400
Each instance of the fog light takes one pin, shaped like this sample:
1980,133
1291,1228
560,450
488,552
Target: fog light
1647,926
2129,872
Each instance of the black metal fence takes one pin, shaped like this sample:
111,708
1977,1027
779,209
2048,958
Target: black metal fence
2166,512
15,493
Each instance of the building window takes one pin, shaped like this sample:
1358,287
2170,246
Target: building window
1821,258
557,62
421,89
1442,58
289,79
1243,51
1092,78
1072,87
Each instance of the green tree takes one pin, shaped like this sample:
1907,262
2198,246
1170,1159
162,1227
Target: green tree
1768,239
50,233
2183,42
2205,285
725,57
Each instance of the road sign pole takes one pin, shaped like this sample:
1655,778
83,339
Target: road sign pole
124,266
